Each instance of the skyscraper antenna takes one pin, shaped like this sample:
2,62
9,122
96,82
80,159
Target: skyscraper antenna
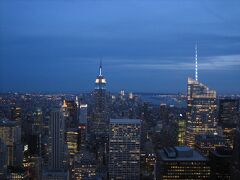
196,62
100,68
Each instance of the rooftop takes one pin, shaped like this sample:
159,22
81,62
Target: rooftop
180,153
125,121
209,137
222,151
7,122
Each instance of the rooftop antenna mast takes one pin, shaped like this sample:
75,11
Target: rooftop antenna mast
196,62
100,68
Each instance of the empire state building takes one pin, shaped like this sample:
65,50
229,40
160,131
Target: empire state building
99,125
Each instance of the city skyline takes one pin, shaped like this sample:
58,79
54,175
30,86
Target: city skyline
119,90
113,90
56,46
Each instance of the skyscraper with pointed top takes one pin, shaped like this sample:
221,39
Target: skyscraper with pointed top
201,102
99,123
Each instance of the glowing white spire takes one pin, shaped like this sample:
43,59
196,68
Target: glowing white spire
196,63
100,68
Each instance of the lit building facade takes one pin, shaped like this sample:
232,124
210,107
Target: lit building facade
201,103
124,149
182,162
228,118
70,109
16,174
85,166
10,134
181,130
33,166
205,143
72,141
71,120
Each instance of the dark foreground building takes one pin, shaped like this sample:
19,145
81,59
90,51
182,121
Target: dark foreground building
182,162
220,162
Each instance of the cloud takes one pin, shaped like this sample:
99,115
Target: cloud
227,62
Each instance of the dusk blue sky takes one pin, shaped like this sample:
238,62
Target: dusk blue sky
146,45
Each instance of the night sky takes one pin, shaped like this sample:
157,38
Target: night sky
146,45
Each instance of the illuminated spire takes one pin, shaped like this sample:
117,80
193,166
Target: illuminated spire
100,68
196,63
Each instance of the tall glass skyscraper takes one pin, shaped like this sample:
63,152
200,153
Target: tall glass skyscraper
201,103
124,149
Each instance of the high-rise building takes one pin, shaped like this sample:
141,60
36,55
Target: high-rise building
35,137
38,121
34,167
228,118
16,113
181,130
83,124
220,162
235,170
70,113
85,166
56,140
72,141
182,162
205,143
82,136
124,149
16,173
130,95
10,134
83,114
201,102
99,123
3,159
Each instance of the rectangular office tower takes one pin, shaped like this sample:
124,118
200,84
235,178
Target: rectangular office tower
56,140
228,118
10,136
124,149
201,102
182,162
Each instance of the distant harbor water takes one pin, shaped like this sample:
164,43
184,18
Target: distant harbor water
175,100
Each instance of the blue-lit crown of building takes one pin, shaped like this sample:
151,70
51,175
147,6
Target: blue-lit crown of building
100,82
